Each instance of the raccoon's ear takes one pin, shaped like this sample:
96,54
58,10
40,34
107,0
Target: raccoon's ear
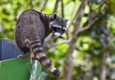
53,16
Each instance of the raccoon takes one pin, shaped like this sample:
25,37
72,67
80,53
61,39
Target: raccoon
32,28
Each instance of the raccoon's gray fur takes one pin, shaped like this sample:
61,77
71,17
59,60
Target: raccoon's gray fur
32,28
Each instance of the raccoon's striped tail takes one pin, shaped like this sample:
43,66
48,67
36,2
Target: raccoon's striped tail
38,51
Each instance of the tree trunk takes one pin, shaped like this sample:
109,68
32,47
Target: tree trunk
69,62
72,45
102,75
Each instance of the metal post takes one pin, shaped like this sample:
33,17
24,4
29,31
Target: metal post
36,70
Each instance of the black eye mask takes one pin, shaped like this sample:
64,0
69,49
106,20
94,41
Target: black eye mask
58,30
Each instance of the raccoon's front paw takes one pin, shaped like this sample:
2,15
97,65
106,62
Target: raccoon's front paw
23,55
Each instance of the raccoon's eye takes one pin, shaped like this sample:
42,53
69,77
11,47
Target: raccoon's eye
54,28
63,30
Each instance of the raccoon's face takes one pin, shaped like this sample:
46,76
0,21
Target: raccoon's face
58,25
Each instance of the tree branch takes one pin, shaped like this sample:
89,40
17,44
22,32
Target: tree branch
71,22
62,9
31,4
56,6
93,17
87,27
43,5
63,42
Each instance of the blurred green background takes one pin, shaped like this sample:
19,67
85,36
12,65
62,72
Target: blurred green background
93,56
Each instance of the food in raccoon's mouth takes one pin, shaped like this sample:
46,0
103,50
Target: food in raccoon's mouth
58,35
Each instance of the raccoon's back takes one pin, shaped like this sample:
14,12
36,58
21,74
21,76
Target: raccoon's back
30,16
28,26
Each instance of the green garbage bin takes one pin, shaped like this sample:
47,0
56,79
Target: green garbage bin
18,69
